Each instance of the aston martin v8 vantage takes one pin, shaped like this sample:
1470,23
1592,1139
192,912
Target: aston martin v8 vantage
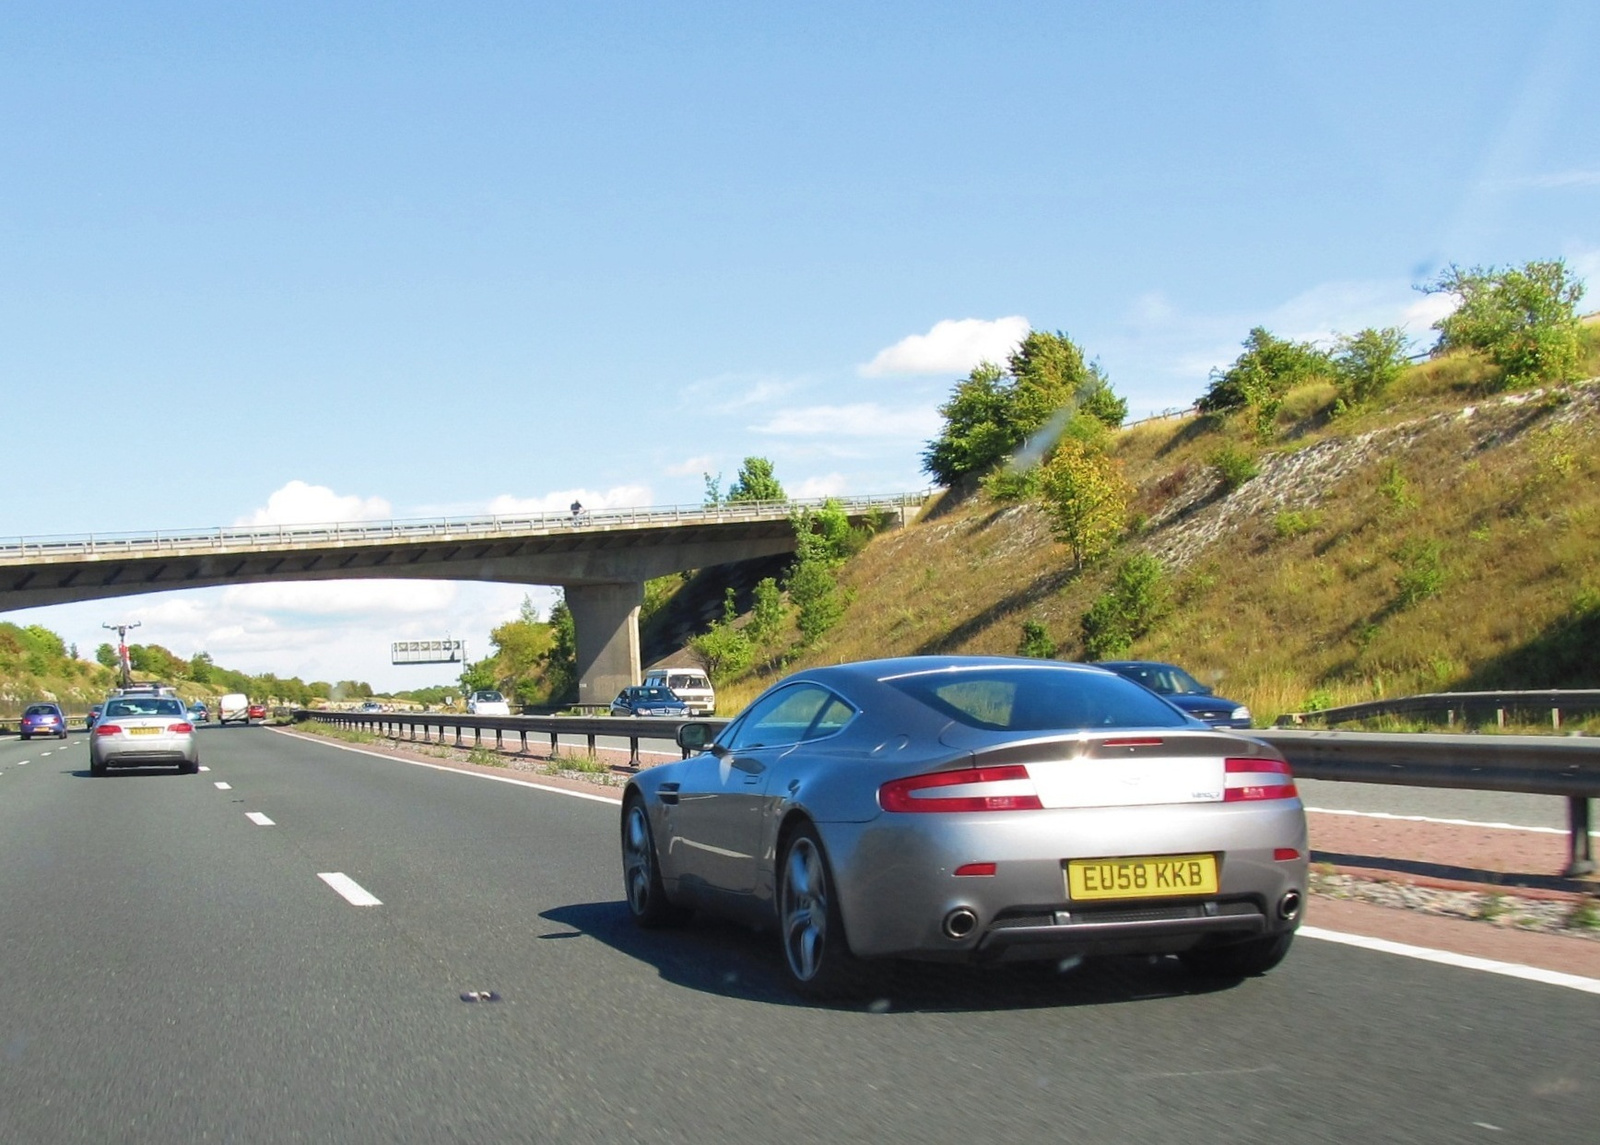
972,809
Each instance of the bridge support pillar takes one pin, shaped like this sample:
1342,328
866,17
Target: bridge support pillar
606,622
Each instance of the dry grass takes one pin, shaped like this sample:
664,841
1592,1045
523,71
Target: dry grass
1488,508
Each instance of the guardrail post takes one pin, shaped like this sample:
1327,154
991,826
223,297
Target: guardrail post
633,753
591,745
524,734
555,748
1582,842
458,734
1555,718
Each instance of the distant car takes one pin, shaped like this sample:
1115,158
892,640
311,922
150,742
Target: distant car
690,685
488,703
199,713
233,708
44,720
140,731
646,700
372,706
94,714
255,712
1176,686
971,809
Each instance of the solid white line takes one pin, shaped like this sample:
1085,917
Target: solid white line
1444,822
221,786
1450,958
259,819
354,893
459,771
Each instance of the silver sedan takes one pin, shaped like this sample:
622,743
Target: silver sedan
143,731
972,809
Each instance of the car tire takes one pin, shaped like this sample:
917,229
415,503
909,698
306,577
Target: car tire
1239,960
187,768
96,768
641,870
810,927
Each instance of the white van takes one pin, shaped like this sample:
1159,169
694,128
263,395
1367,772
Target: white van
692,686
233,708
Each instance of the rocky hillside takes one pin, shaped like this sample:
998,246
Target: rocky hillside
1445,541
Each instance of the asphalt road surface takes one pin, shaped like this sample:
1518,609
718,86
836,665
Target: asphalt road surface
172,969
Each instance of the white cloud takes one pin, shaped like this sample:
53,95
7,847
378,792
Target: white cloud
692,467
618,497
831,485
1556,180
300,503
953,346
865,419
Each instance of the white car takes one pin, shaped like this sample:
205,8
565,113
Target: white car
487,703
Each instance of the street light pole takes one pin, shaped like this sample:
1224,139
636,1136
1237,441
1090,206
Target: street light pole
122,648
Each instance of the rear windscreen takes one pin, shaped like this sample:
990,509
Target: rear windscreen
676,682
123,709
1038,699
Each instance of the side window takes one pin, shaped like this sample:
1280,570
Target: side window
800,712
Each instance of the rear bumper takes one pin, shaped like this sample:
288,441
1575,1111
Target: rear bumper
898,890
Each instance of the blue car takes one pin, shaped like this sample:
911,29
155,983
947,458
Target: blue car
44,720
648,700
1177,687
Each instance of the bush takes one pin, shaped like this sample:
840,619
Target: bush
1261,376
1234,466
1139,596
1086,496
1036,641
1421,572
1523,319
1293,523
1365,364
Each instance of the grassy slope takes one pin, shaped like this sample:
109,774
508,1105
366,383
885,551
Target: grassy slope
1506,488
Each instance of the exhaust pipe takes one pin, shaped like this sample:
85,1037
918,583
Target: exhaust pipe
1289,906
960,922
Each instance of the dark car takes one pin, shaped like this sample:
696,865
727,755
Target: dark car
89,720
44,720
1176,686
972,809
649,700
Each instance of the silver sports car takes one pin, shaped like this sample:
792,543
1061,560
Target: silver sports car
972,809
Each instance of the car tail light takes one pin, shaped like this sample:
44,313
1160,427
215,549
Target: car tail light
180,729
974,789
1285,854
107,730
1249,779
976,870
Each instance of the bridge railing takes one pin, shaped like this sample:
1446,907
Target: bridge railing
1565,766
99,544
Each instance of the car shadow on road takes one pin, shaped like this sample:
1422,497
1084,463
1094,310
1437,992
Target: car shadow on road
737,962
131,772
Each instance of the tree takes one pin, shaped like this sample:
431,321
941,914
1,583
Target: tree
1086,496
977,427
766,613
1261,376
561,660
996,413
201,667
725,649
755,482
713,490
1523,319
106,656
1365,364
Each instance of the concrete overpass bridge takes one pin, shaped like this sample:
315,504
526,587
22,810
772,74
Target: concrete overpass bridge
600,559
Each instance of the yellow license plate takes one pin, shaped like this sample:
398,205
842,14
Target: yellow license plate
144,731
1141,877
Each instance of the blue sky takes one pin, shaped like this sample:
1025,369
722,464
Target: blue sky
298,261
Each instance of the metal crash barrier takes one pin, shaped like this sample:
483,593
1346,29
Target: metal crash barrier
1565,766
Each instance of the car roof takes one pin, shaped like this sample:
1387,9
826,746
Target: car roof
877,671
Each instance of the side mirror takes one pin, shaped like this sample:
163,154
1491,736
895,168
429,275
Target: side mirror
694,736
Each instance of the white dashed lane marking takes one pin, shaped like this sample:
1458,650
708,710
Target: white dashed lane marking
259,819
353,892
224,786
